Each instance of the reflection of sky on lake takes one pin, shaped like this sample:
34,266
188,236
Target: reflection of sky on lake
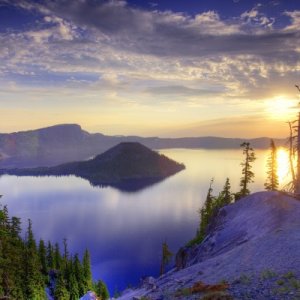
124,231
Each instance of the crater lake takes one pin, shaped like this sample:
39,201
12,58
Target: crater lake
124,231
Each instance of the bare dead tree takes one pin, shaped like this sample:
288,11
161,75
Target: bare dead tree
297,185
291,185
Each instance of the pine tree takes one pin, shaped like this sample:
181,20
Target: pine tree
247,174
226,193
78,271
73,287
57,259
87,274
61,292
101,290
206,212
16,227
50,256
43,257
33,280
24,266
166,257
272,177
66,252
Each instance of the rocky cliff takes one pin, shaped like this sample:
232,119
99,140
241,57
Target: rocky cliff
251,252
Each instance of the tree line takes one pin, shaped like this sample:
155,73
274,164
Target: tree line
213,204
29,270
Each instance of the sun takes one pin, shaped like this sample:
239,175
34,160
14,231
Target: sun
281,108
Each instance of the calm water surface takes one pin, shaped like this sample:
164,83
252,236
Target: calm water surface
124,231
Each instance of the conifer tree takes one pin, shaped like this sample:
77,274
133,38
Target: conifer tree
272,177
78,271
57,257
50,256
166,257
226,194
66,251
86,267
16,227
43,257
33,278
24,266
247,174
101,290
73,287
61,291
206,211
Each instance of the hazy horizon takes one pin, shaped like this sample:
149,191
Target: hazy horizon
143,136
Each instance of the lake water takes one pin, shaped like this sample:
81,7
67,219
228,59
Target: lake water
124,231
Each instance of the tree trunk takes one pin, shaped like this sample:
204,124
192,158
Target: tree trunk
297,185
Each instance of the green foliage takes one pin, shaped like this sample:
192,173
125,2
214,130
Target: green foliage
210,209
43,258
57,257
166,257
25,269
289,275
271,183
267,274
61,291
86,268
101,290
50,256
247,174
288,284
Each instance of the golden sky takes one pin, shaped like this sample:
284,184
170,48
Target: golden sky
132,68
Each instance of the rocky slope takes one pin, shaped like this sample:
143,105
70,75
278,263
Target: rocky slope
253,246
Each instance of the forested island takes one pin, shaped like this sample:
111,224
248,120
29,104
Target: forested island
127,166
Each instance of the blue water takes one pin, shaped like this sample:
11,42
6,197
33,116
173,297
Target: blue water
124,231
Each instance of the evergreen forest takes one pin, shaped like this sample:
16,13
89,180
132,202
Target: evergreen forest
32,270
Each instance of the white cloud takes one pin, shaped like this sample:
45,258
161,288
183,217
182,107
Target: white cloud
295,20
115,47
257,20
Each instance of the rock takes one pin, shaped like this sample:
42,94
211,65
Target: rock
181,259
89,296
148,283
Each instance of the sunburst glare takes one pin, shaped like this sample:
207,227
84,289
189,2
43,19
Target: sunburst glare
283,168
281,108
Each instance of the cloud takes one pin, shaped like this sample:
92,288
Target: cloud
165,33
179,90
111,45
257,19
295,20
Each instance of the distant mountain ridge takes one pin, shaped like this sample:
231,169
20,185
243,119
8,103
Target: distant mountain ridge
68,142
128,166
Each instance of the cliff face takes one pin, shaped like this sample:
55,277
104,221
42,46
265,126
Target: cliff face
258,234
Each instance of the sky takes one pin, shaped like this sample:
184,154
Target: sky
151,68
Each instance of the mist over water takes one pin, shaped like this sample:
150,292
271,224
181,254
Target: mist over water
124,231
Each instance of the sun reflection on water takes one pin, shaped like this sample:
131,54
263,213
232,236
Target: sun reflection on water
283,166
